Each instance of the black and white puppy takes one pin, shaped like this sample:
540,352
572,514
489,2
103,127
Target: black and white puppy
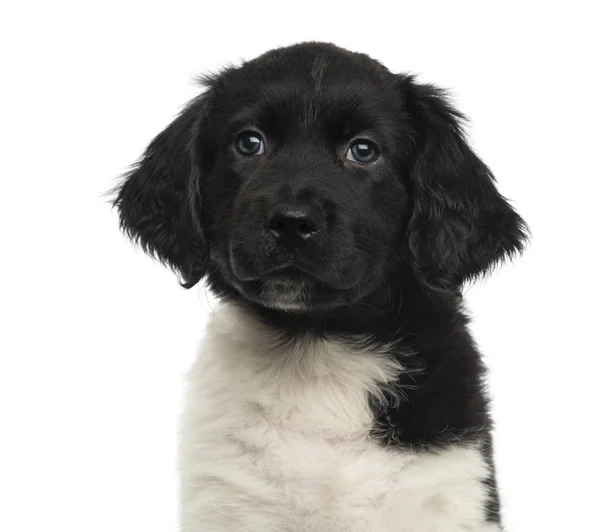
337,210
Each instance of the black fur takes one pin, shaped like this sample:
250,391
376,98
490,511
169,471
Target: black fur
396,239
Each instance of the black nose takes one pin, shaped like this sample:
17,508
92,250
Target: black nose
292,224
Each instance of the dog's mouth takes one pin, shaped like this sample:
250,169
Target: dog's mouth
295,280
291,276
291,288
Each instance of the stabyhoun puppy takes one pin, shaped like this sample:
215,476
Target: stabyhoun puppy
336,210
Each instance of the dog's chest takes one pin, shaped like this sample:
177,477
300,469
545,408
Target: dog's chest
279,441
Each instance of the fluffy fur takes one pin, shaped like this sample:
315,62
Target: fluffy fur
277,438
337,211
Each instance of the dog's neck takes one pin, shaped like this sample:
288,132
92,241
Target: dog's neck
424,333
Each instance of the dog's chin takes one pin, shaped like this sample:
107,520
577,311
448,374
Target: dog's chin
289,296
292,292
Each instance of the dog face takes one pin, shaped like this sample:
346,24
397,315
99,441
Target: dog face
311,177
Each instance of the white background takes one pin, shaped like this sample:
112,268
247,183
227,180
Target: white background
96,337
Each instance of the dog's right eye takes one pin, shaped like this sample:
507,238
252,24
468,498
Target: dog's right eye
249,143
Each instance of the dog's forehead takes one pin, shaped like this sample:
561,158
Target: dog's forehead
317,72
307,84
308,67
320,65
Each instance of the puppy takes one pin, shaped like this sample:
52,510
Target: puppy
336,210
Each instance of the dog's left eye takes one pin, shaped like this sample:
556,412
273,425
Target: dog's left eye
249,143
362,151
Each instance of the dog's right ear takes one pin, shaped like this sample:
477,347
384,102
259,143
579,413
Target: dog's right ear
159,202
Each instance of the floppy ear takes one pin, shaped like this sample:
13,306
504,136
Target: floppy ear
159,200
460,226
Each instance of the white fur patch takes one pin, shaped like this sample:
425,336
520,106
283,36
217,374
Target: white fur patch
276,439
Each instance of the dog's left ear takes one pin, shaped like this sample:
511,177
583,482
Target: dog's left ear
159,202
460,225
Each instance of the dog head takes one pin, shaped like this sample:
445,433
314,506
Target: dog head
310,177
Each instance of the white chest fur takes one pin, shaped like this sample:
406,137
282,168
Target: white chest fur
276,439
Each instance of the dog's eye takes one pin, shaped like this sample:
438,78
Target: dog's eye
249,143
362,151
